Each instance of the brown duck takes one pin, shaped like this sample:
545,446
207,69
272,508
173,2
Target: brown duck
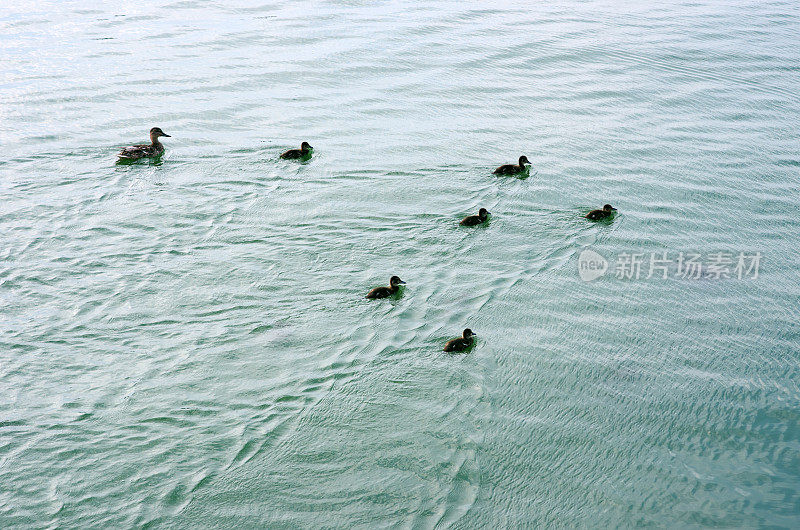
514,169
461,344
607,212
475,220
152,150
302,153
383,292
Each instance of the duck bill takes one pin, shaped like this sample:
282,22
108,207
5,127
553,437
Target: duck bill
166,135
401,282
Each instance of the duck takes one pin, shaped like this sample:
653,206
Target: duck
382,292
514,169
463,343
474,220
294,154
153,150
607,212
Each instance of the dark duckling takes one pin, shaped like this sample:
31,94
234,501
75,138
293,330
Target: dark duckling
598,215
462,344
474,220
154,149
294,154
382,292
514,169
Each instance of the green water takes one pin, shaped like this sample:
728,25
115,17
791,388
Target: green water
186,344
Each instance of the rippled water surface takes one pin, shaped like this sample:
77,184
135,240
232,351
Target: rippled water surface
186,343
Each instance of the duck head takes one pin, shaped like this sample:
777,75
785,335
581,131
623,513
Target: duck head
468,334
156,133
524,160
483,213
609,208
305,146
394,281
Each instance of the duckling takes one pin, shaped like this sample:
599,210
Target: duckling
598,215
474,220
303,152
155,149
382,292
514,169
461,344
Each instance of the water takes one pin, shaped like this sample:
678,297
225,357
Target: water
186,344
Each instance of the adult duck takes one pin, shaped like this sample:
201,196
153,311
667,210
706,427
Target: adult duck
152,150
